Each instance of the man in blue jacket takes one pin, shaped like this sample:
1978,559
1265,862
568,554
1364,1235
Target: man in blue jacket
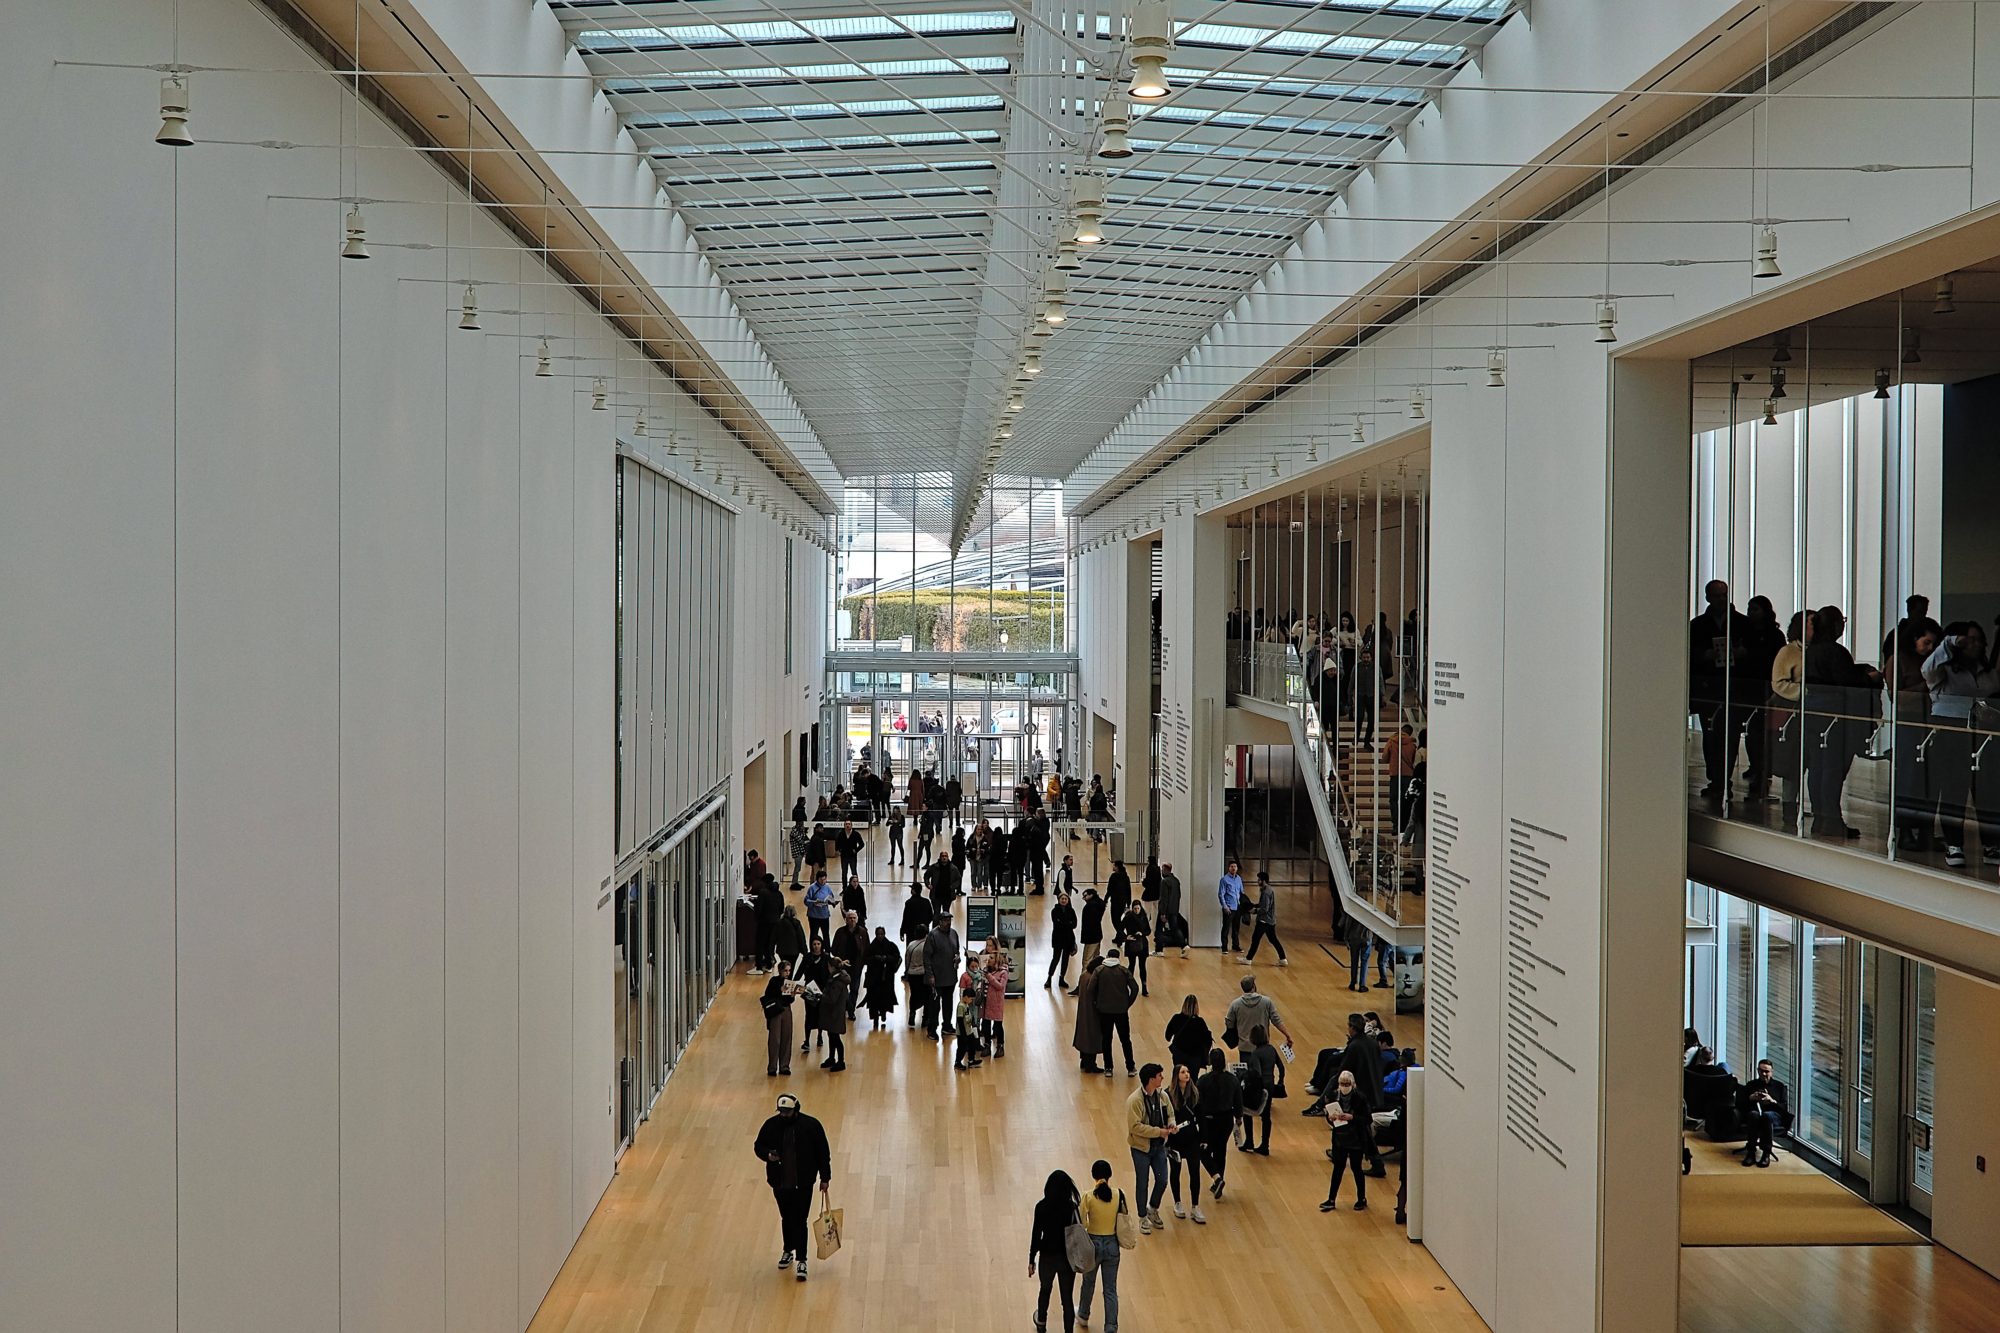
1229,892
819,907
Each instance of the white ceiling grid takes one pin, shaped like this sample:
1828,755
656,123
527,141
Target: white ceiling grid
881,185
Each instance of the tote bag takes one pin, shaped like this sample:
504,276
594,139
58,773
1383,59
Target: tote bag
1127,1227
826,1230
1080,1248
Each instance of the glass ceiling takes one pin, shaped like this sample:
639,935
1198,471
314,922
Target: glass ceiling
891,274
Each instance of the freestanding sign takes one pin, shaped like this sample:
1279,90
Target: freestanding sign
1006,916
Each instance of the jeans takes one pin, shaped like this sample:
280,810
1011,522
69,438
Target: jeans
793,1205
778,1043
1357,965
1385,963
1064,1280
1107,1266
1150,1161
1265,931
798,864
1824,779
896,847
1121,1025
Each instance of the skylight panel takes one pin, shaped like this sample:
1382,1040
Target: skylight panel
888,106
1252,120
763,74
1242,37
823,173
1245,81
850,28
918,139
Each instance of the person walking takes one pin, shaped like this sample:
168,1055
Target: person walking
1264,1074
819,906
1088,1034
1356,937
1184,1148
788,941
833,1007
1229,894
941,963
1218,1101
797,841
1099,1209
1351,1114
848,843
1062,940
850,946
1093,926
897,855
884,958
916,980
1170,904
1112,991
1188,1038
965,1018
813,974
993,1015
916,914
1135,940
777,1003
1117,891
793,1148
1054,1215
1149,1123
1249,1010
1267,921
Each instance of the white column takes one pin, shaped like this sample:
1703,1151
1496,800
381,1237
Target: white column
1193,611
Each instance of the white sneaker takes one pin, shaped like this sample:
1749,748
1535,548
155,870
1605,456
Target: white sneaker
1184,951
1198,1217
1179,1211
1145,1225
1954,856
1159,1223
802,1270
1284,962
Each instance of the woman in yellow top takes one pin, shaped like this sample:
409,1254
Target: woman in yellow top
1782,717
1099,1209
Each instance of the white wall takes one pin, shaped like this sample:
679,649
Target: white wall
308,714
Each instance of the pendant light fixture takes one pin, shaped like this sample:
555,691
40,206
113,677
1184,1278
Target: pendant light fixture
1943,303
598,401
1496,368
1607,321
1068,259
1765,265
1014,401
1913,348
174,112
543,367
1312,449
1781,346
1417,403
1053,312
356,244
1117,121
1152,40
1089,199
1777,381
639,430
1274,466
1031,364
1360,432
1770,413
468,311
1882,383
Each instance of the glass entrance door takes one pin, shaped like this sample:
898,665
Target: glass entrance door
1920,1086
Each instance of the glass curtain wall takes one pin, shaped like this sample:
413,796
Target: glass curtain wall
899,591
1327,618
671,951
1845,589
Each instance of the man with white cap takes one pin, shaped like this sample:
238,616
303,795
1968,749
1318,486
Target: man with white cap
793,1148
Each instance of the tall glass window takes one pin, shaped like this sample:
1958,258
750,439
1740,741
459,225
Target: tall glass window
1739,1013
1864,1052
1823,1004
1923,1101
1781,992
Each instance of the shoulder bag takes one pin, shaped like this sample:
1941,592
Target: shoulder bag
1078,1246
1127,1226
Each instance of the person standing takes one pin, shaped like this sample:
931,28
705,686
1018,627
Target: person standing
813,974
767,903
1087,1036
1066,875
916,979
941,964
1362,1058
1149,881
1840,701
1218,1101
1054,1216
1062,939
1351,1114
993,1016
1149,1123
1135,939
882,962
777,1003
793,1148
1184,1148
848,843
1250,1010
897,856
965,1018
1112,991
1093,927
833,1011
1099,1209
819,906
916,914
1170,904
1356,937
1267,921
1229,894
798,840
1188,1038
954,798
850,946
1264,1075
1117,891
788,941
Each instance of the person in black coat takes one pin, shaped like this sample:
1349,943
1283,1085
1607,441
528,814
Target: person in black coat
1841,705
793,1148
1093,926
1767,1106
768,902
1054,1215
1062,941
788,940
1188,1036
1351,1113
1720,693
850,946
848,843
1362,1057
1135,940
916,915
1118,890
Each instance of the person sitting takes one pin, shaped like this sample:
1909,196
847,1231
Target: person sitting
1767,1106
1709,1091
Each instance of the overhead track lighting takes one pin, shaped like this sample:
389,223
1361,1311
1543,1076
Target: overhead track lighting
1496,368
543,368
468,311
174,112
356,244
597,397
1152,42
1944,305
1882,382
1770,413
1607,322
1116,123
1765,265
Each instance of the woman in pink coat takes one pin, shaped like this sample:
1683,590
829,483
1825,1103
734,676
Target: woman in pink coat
998,965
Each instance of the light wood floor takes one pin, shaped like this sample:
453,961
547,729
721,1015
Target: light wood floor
938,1173
1849,1288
